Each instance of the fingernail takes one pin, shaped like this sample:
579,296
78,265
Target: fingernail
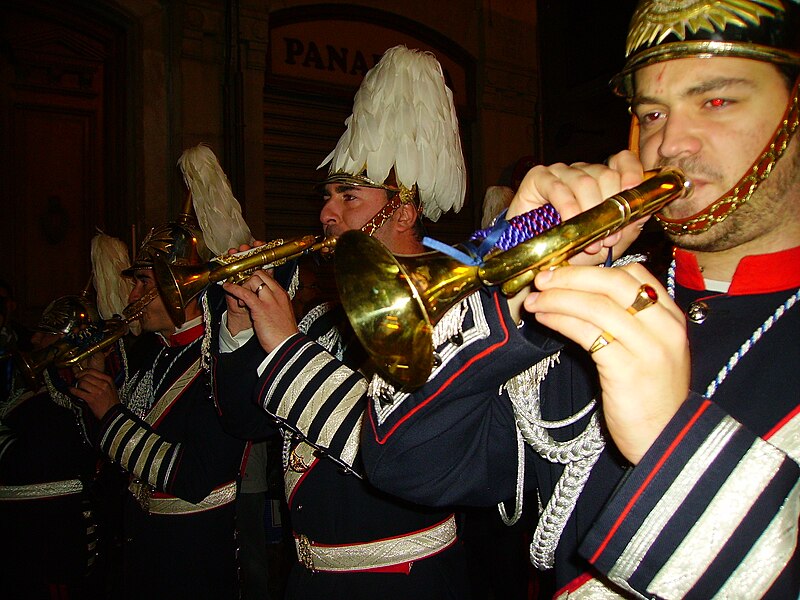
544,277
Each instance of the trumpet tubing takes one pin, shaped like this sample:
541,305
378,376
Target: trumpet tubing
30,365
65,353
114,329
393,302
180,284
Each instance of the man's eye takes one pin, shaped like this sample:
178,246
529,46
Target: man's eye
717,102
651,117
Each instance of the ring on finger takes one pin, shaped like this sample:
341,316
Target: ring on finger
258,289
646,296
603,340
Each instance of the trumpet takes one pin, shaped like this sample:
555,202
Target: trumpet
393,302
70,352
179,284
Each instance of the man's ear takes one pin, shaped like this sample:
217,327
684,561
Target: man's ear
406,216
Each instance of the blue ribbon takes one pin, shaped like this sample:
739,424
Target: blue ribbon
476,253
460,256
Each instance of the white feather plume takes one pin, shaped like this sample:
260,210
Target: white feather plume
109,258
404,119
218,212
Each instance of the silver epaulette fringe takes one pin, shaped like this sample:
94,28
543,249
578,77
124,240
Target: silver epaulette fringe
449,327
578,456
331,340
450,324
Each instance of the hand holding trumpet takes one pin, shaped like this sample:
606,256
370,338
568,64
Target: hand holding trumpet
262,304
93,386
573,189
644,366
640,349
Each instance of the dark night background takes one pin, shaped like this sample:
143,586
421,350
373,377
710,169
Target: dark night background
581,45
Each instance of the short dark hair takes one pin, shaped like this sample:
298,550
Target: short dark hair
789,74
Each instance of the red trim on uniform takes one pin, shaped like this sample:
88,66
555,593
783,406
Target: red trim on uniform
279,362
186,337
656,468
782,423
58,591
402,568
299,482
447,383
759,274
575,584
687,271
767,273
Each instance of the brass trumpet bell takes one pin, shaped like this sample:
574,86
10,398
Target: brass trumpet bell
84,334
31,365
178,285
393,302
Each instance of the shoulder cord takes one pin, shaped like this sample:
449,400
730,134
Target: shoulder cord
139,394
205,345
65,401
330,340
286,449
578,455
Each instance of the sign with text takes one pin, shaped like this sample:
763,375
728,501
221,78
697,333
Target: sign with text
341,52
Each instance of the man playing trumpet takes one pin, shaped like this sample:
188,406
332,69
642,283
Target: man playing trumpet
163,429
56,521
660,474
353,542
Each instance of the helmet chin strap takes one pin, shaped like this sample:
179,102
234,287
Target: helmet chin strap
402,196
383,215
740,193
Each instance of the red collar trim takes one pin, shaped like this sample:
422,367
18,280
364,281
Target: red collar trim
760,274
187,336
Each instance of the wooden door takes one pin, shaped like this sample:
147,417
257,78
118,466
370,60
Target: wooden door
54,76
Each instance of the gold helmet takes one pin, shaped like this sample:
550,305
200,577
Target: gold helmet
766,30
178,242
763,30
